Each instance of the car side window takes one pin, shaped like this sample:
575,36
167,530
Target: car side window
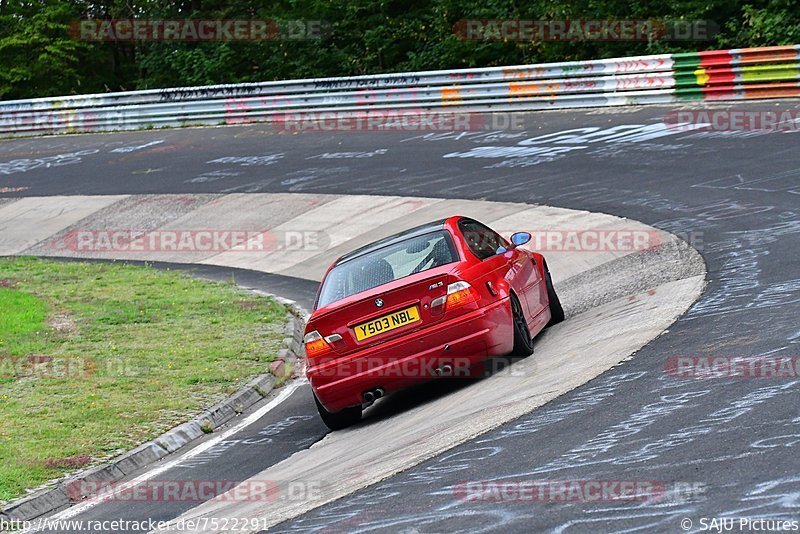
481,240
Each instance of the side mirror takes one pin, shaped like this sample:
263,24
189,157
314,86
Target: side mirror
520,238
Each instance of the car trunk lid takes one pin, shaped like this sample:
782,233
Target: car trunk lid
384,312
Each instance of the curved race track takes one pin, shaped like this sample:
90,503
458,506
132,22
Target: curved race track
734,195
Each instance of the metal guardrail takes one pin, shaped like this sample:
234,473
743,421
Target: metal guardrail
770,72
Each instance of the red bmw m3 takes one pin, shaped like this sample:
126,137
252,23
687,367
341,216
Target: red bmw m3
436,300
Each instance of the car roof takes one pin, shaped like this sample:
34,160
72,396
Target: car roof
393,239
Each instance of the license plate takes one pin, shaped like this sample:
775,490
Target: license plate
386,323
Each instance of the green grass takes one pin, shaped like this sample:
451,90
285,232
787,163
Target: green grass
22,318
132,352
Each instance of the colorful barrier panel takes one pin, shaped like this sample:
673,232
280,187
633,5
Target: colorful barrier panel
747,73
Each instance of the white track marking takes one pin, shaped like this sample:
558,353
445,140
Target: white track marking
252,418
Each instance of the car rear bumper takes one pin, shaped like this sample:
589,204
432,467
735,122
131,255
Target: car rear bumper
415,358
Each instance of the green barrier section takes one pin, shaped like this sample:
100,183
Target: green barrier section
695,94
686,61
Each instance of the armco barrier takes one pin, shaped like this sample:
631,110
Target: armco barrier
771,72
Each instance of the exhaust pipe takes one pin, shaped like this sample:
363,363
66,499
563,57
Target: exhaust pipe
373,395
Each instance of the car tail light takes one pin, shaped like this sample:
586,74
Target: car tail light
315,345
458,294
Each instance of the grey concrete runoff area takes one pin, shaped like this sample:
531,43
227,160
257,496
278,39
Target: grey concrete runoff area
596,401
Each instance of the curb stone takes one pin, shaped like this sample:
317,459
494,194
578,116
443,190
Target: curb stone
142,455
68,491
38,504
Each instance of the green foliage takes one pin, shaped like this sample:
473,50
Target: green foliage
33,44
766,24
39,58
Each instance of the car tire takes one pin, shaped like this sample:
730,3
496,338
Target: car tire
341,419
523,342
556,311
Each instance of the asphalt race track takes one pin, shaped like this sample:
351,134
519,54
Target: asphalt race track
720,446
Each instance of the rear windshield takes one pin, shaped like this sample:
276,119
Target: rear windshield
387,264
